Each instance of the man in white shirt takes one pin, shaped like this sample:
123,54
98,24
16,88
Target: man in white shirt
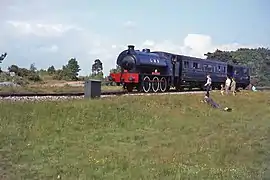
227,85
208,84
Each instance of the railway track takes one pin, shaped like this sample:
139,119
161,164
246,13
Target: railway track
40,94
15,96
73,95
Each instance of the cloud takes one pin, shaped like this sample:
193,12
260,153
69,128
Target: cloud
49,49
149,43
193,45
54,44
40,29
130,24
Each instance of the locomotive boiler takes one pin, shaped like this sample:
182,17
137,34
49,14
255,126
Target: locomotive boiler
135,61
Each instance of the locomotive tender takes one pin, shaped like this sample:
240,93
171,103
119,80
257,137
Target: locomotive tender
159,71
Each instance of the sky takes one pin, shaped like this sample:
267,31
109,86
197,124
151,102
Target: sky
50,32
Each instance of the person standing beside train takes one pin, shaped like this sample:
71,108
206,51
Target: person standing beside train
227,85
233,86
208,84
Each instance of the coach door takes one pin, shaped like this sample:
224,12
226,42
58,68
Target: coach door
230,70
176,69
174,60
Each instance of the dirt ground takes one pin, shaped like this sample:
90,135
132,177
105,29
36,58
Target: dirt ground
61,83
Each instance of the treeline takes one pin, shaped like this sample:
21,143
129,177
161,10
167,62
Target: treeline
258,59
68,72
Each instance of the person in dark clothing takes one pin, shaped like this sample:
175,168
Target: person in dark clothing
212,103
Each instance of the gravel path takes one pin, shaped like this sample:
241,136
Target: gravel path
40,98
58,98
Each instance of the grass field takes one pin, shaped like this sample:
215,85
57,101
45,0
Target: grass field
150,137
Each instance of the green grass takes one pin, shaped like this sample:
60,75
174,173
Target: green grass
151,137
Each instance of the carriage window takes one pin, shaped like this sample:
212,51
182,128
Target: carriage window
196,65
219,68
207,68
245,71
210,68
186,64
224,69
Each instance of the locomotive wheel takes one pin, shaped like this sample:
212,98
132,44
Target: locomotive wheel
163,84
146,86
155,84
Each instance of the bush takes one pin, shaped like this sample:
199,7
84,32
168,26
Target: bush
5,77
34,77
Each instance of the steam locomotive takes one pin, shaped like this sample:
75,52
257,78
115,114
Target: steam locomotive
159,71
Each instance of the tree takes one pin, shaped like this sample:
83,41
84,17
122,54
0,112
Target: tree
224,56
72,69
33,67
116,70
51,70
2,57
97,68
13,68
58,75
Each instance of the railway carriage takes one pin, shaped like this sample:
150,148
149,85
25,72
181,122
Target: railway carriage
159,71
240,73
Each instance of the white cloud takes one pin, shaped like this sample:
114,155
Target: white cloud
198,43
49,49
40,29
193,45
130,24
148,43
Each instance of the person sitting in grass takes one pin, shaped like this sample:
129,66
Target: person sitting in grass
212,103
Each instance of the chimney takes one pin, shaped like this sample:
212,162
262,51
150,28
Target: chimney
131,47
